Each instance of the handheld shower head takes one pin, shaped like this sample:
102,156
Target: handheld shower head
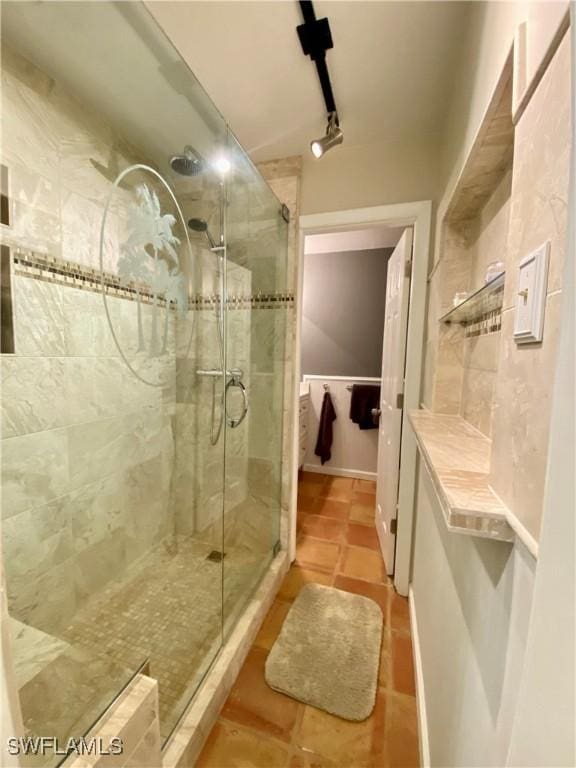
201,225
189,163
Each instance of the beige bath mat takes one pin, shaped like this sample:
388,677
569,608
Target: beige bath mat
328,652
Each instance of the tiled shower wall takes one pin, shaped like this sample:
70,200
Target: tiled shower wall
284,177
481,353
87,449
255,328
91,456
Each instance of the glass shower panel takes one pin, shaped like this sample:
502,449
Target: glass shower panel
256,309
112,456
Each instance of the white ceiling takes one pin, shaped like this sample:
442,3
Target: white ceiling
355,240
391,67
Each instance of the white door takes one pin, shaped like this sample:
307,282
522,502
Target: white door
392,388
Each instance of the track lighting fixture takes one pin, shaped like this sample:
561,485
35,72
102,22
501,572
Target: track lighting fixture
333,137
316,38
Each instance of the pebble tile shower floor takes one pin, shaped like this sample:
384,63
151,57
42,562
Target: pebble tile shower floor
260,728
147,616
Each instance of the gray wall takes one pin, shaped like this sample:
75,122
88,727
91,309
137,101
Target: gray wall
343,312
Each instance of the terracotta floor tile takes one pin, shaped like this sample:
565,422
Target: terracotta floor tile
302,759
399,613
365,486
311,477
401,731
309,503
254,704
257,720
368,499
362,536
379,731
325,528
317,554
362,513
308,488
377,592
338,494
343,742
402,664
296,578
340,483
361,563
230,746
385,669
272,625
332,508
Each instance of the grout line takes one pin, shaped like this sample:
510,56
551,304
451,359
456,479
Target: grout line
255,731
291,747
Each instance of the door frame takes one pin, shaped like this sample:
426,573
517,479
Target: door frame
419,216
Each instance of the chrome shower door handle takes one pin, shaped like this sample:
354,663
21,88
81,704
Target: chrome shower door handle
235,382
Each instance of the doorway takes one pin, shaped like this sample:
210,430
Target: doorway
397,504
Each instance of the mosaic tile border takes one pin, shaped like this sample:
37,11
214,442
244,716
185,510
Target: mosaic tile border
490,322
6,310
73,275
259,301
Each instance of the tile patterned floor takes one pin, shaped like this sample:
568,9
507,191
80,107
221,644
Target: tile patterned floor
260,728
141,617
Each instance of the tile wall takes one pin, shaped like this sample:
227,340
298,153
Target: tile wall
538,212
501,388
87,449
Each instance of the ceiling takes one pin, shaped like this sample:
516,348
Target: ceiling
392,67
354,240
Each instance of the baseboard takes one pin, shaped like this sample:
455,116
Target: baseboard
339,472
420,697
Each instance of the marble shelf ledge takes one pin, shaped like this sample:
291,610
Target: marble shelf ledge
457,459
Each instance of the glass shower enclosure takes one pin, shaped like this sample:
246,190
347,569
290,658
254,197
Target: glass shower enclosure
143,303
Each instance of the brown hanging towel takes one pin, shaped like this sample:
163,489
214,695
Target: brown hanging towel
324,441
365,397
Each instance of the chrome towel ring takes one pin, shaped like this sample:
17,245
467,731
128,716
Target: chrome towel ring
235,381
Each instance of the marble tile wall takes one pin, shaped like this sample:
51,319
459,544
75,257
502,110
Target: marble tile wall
465,368
488,243
257,453
96,465
445,343
87,448
538,212
135,720
499,387
250,487
284,176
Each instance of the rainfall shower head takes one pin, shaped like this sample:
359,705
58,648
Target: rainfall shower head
201,225
189,163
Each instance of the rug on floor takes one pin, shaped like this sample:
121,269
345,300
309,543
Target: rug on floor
328,652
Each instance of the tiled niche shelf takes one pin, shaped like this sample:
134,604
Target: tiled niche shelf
457,459
482,303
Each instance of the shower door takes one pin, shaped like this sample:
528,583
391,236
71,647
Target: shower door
256,309
112,305
142,363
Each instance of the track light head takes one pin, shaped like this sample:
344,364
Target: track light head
333,137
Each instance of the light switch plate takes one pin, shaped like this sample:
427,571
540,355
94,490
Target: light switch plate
531,296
